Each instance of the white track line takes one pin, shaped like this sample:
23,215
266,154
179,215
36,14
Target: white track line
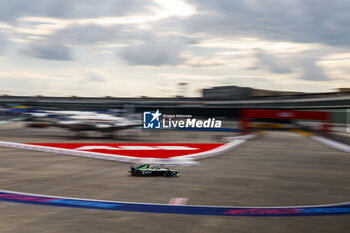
332,143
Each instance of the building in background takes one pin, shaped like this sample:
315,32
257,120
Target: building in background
235,92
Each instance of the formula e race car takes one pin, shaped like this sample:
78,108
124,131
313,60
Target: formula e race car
147,170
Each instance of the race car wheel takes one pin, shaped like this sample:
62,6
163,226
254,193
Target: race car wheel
168,173
137,173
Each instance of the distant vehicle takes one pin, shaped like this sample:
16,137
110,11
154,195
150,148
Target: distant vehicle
39,124
147,170
96,122
78,121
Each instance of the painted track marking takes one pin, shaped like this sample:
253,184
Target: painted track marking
178,201
185,159
275,211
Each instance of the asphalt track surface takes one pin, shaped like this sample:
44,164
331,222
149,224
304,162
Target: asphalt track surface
278,169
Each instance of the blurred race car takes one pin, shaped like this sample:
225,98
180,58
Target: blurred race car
147,170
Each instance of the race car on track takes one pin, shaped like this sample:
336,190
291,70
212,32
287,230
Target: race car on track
147,170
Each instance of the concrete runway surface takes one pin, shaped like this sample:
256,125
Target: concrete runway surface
277,169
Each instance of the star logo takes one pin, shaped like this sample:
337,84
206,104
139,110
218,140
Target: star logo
152,120
156,115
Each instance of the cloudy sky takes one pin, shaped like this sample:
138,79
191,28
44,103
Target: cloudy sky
145,47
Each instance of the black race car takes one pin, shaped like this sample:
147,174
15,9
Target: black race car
147,170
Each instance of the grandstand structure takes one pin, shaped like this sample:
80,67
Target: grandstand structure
338,102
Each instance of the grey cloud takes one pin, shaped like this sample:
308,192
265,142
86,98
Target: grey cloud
145,47
273,63
304,63
49,51
140,42
82,35
290,20
11,10
155,52
3,43
93,8
312,72
320,21
93,77
92,34
54,47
